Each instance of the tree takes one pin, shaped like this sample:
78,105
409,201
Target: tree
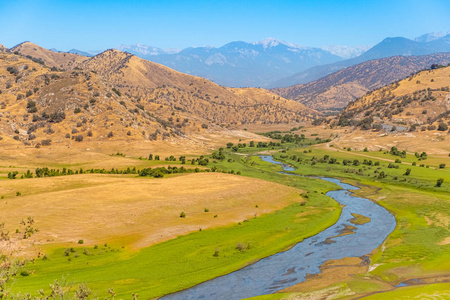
441,166
442,127
408,171
439,182
150,157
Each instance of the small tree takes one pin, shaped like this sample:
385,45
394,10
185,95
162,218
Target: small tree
441,166
408,171
442,127
439,182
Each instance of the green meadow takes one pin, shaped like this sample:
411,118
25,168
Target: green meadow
415,249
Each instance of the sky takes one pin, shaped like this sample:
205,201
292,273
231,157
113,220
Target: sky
169,24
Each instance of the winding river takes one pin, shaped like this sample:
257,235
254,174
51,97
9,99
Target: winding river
288,268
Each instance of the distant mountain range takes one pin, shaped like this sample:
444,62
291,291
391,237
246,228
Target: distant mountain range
241,64
423,45
271,63
238,64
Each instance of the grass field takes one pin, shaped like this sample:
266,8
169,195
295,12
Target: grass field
417,249
112,211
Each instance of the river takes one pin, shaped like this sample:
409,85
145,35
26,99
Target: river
290,267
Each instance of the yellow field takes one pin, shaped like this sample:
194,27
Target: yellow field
126,210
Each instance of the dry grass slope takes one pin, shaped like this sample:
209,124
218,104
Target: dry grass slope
60,60
335,91
118,96
421,101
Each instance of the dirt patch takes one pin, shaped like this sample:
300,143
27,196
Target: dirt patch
333,271
446,241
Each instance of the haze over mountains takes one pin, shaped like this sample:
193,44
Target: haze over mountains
272,63
424,45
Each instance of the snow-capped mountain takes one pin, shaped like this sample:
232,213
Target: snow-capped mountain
238,64
144,50
346,52
432,36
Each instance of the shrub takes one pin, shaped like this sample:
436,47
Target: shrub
441,166
439,182
442,127
46,142
182,215
79,138
80,241
77,110
110,134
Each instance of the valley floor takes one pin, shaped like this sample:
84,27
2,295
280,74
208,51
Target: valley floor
127,232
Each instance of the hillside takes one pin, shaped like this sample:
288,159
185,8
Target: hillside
3,48
118,96
393,46
59,60
153,83
335,91
419,102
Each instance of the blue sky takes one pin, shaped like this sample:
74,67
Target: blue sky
98,25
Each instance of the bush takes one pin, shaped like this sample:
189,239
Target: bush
441,166
182,215
77,110
110,134
46,142
439,182
80,242
79,138
442,127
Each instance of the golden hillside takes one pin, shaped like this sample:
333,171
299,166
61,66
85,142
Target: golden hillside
117,96
60,60
335,91
38,104
149,82
419,102
3,48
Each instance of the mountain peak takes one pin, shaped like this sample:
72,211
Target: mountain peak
145,50
272,42
431,36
